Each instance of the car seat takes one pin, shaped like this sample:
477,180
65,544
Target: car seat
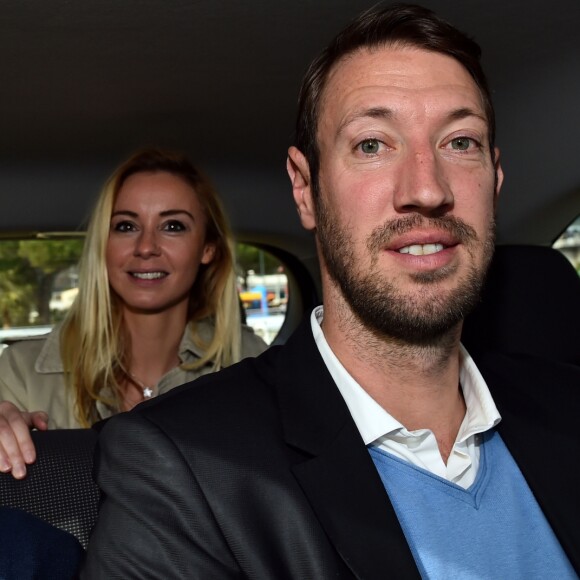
530,305
58,487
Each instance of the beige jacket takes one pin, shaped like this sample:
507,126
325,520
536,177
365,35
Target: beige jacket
32,377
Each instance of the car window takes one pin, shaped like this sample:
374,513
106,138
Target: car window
263,289
569,243
39,279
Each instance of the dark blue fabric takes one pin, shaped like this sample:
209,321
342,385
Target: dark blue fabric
31,548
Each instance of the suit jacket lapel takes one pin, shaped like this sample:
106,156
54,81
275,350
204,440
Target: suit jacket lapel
539,403
338,476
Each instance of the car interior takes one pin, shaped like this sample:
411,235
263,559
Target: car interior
85,84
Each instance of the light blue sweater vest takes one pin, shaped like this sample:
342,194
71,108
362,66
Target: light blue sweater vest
494,530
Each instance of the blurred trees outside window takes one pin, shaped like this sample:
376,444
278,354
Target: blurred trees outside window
31,273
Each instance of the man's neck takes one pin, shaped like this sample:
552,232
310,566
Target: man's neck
417,385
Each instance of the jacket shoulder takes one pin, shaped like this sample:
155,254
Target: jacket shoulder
252,344
18,370
23,352
41,352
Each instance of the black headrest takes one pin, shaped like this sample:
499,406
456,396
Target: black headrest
530,304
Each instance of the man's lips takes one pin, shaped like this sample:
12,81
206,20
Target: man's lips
422,242
420,236
421,249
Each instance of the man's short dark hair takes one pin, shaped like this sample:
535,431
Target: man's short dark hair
398,24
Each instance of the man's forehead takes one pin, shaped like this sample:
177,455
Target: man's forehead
396,68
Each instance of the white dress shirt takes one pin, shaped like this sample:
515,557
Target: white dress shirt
377,427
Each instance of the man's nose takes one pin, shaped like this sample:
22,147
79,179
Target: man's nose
147,244
423,187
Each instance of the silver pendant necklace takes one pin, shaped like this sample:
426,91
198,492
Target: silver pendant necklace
148,392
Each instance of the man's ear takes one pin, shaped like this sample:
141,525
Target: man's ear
498,176
299,172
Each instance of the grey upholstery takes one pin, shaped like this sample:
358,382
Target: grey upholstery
59,487
530,305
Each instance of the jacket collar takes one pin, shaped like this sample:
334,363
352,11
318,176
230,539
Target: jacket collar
337,474
344,488
49,359
188,350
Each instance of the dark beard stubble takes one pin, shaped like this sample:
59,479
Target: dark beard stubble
377,303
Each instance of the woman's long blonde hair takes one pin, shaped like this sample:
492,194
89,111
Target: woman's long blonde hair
94,346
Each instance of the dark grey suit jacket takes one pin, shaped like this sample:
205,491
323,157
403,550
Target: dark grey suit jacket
260,472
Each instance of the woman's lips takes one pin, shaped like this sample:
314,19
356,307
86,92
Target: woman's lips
148,275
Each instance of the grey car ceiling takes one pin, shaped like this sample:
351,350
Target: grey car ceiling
83,83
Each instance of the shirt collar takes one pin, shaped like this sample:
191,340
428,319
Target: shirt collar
482,414
374,422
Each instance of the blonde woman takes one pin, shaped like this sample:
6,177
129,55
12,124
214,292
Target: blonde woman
157,307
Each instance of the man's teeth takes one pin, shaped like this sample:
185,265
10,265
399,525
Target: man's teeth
148,275
421,250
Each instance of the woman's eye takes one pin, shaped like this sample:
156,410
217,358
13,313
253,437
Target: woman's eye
462,143
123,227
370,146
174,226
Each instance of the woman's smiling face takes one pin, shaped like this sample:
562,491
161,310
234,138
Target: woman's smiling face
157,242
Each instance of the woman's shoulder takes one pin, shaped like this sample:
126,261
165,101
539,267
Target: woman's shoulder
41,353
21,373
252,344
24,350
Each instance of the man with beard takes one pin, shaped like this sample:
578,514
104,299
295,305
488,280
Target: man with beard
370,445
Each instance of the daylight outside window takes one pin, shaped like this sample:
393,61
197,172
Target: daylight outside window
39,279
569,244
263,289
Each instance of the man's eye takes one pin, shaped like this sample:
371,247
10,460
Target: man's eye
370,146
461,143
174,226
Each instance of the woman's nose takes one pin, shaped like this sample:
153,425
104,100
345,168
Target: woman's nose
147,244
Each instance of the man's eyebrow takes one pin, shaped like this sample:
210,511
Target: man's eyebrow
372,113
388,114
464,113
